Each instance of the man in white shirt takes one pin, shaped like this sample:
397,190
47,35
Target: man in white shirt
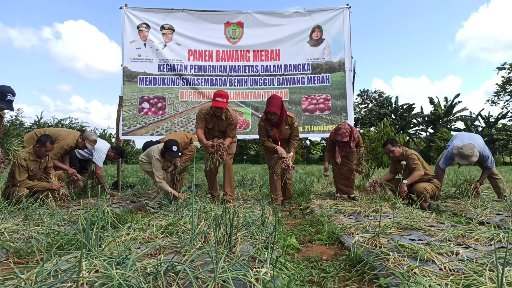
80,160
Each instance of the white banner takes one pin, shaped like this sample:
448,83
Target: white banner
173,61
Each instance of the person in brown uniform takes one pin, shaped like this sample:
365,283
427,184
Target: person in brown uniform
32,172
159,161
66,140
186,141
278,133
344,149
218,122
417,176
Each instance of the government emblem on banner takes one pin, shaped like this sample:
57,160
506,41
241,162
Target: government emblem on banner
234,31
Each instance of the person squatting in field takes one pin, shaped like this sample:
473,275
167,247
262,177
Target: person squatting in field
216,131
417,178
468,148
278,133
159,161
186,141
31,174
87,160
344,150
66,140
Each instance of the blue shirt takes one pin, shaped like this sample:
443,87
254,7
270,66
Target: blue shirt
485,158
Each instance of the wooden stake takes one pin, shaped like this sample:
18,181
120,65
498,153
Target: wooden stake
118,139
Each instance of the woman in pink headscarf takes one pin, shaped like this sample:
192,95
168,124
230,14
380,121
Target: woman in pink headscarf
344,149
279,135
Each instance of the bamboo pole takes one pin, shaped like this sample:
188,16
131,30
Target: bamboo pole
118,140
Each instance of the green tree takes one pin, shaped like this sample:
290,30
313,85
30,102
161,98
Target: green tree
374,156
373,107
502,96
249,151
439,122
370,108
12,142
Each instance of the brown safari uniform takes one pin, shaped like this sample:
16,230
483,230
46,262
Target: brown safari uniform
344,173
219,128
65,140
280,183
186,141
29,177
426,188
157,168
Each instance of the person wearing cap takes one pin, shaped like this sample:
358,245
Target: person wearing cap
186,141
168,49
31,175
344,150
409,174
159,161
469,148
218,122
278,133
7,96
66,140
143,50
81,160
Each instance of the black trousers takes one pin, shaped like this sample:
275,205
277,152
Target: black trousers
80,165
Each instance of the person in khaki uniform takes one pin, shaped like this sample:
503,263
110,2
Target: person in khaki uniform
66,140
417,176
159,161
466,149
278,133
344,149
186,141
218,122
31,174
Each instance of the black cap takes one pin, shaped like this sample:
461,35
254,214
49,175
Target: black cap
7,96
167,28
143,26
172,148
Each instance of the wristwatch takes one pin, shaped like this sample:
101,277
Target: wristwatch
404,182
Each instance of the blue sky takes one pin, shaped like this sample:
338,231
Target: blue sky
64,57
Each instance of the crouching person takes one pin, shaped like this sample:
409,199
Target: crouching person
159,161
83,161
32,175
417,176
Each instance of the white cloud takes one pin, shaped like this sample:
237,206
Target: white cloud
20,37
417,90
64,87
93,112
475,100
75,44
486,34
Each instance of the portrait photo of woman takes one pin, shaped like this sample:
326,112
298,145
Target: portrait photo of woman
317,48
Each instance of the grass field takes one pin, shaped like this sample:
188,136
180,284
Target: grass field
315,242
